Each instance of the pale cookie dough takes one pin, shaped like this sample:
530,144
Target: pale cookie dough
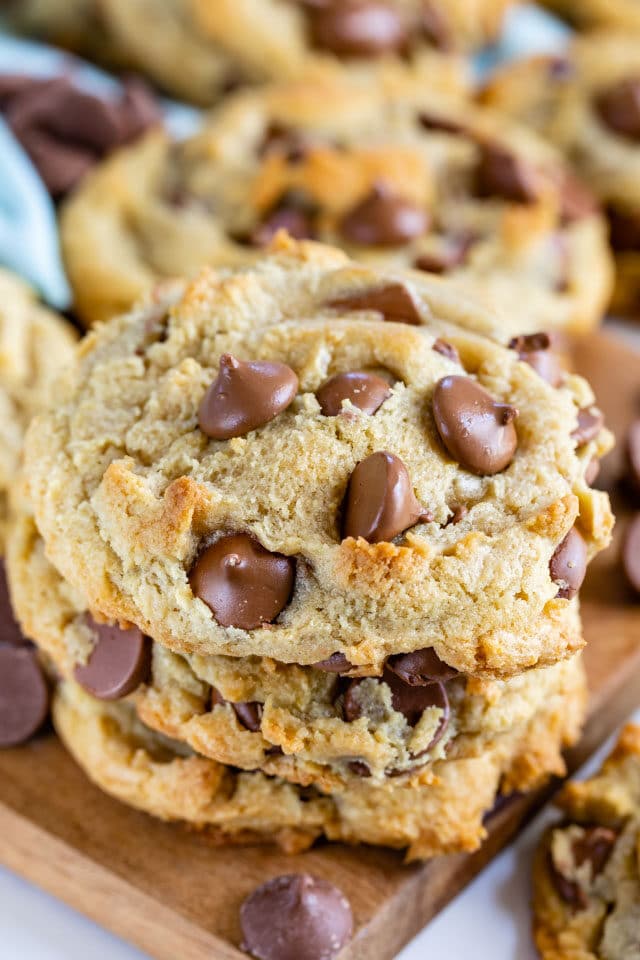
35,345
587,103
587,870
198,50
443,815
130,494
464,193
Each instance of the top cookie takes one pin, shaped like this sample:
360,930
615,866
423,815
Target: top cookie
34,345
200,50
393,172
216,474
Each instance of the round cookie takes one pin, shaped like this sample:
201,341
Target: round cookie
198,51
35,345
587,869
587,104
444,816
396,173
141,510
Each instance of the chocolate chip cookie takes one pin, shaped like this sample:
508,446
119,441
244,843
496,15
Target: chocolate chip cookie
35,345
199,51
588,104
587,870
189,482
395,173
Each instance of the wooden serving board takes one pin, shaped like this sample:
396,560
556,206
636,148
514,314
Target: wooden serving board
177,897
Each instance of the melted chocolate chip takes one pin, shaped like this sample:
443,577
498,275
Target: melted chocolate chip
359,768
296,917
420,668
356,28
119,662
501,173
394,301
594,847
633,454
249,713
245,396
477,430
619,108
380,503
366,391
631,553
24,697
567,890
384,219
446,350
410,701
568,565
536,350
336,663
243,584
590,423
459,512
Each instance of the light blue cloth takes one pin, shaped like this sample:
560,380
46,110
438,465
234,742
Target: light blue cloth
28,231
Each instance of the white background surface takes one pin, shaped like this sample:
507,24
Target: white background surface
490,921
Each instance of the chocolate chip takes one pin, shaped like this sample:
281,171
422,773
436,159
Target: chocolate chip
296,223
567,890
245,396
380,503
119,662
435,27
354,28
359,768
619,107
453,255
501,173
576,199
243,584
440,124
590,423
633,454
384,219
394,301
536,350
458,513
421,667
568,565
592,471
446,350
336,663
296,917
624,229
477,430
631,553
595,847
410,701
24,697
249,713
10,631
366,391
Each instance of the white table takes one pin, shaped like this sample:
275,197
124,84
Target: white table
490,921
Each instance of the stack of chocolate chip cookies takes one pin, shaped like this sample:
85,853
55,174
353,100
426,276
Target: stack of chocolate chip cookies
303,543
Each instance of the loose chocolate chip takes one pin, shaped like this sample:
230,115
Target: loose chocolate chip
568,565
536,350
594,847
624,229
619,107
633,454
359,768
297,223
24,697
384,219
590,423
119,662
421,667
394,301
249,713
336,663
592,471
567,890
446,350
354,28
296,917
477,430
245,396
366,391
631,553
10,631
243,584
380,503
501,173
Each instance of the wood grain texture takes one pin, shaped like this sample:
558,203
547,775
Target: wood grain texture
175,895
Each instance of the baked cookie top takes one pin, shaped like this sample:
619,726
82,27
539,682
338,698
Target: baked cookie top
395,172
215,454
34,345
587,872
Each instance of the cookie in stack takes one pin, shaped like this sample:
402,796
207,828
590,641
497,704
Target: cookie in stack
306,522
